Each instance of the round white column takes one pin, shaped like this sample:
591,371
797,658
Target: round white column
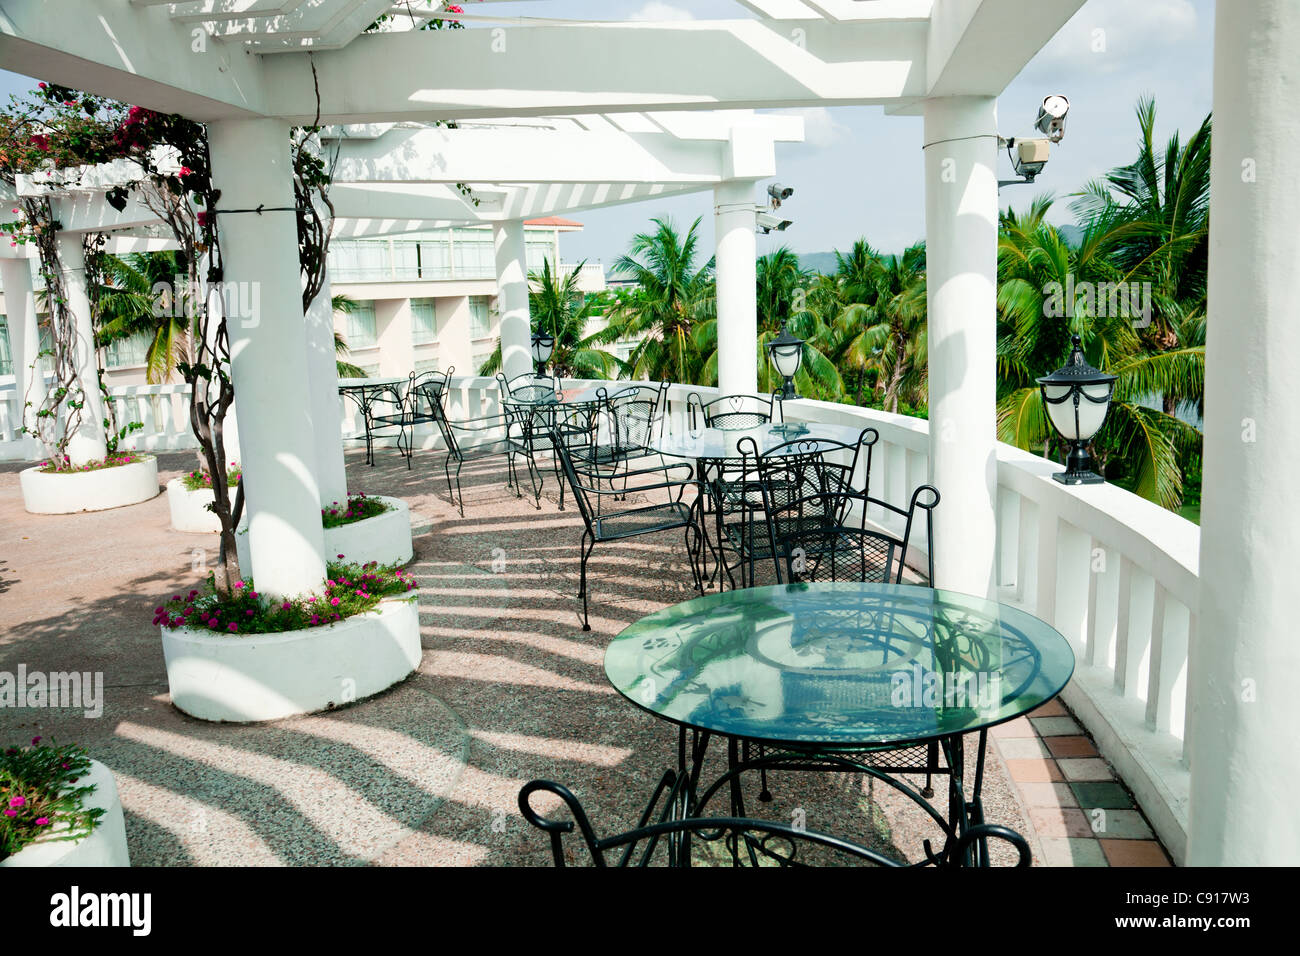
735,219
961,235
24,345
268,354
512,299
1242,706
87,441
326,412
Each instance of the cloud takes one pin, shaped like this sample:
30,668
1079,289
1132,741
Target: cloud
1107,36
657,10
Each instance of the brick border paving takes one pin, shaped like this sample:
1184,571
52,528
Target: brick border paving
1080,810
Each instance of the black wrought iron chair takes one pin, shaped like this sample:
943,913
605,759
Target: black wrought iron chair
661,838
646,392
475,439
763,483
529,387
824,537
414,407
602,525
734,411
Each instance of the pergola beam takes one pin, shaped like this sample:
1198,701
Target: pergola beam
456,74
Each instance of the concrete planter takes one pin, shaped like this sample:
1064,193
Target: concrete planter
269,676
189,509
385,538
70,492
103,846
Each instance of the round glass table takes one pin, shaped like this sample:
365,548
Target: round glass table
877,679
366,393
720,443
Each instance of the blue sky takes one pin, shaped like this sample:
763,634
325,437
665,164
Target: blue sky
859,172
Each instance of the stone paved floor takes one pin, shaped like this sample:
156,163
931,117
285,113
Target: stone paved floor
510,689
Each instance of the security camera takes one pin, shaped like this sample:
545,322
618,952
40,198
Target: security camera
767,222
779,192
1030,157
1051,117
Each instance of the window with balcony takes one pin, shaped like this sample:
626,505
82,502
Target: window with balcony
128,352
361,327
6,353
480,319
424,327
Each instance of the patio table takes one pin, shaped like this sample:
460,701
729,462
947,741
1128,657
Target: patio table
364,392
840,676
720,443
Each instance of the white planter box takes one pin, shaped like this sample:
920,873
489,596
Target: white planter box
104,846
189,509
268,676
63,493
385,538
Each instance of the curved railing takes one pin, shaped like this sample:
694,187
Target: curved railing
1114,573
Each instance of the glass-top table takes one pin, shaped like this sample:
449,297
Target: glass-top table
365,392
719,443
840,676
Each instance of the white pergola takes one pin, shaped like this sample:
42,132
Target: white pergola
251,68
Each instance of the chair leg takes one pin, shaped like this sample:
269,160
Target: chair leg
535,477
446,467
588,542
460,494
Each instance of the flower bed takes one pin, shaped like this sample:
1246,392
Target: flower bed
384,536
357,508
201,480
351,589
39,796
96,489
112,461
244,659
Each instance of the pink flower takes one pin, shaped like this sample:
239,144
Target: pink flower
11,813
334,601
239,585
249,612
35,741
42,821
233,627
17,801
340,556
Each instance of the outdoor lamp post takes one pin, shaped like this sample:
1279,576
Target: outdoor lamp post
786,353
1077,397
543,346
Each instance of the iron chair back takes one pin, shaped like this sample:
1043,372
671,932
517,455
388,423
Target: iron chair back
734,411
529,387
816,537
747,842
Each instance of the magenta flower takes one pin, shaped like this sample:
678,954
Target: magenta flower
42,821
249,612
239,585
11,813
340,556
17,801
334,601
233,627
35,741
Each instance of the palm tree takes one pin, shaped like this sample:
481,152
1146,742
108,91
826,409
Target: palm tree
882,330
1138,443
346,305
559,307
675,295
782,294
129,306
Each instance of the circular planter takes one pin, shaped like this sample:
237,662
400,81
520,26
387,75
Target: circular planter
189,509
66,493
269,676
385,538
103,846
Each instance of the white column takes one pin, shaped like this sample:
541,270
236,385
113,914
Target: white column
268,355
87,442
24,345
512,298
961,235
735,219
1243,708
455,344
326,412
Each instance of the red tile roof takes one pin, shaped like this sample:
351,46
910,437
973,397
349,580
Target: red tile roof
552,221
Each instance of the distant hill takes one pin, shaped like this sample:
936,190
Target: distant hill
823,262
